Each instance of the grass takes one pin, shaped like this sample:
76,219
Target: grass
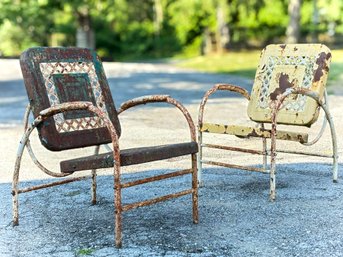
83,252
244,63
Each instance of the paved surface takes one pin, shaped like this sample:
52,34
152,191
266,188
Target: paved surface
236,218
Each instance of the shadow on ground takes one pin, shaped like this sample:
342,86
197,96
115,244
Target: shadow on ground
236,217
187,87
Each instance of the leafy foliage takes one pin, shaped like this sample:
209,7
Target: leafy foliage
131,29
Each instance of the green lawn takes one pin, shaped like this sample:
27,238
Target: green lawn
244,64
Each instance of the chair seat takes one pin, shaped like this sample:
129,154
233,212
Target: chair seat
129,157
245,131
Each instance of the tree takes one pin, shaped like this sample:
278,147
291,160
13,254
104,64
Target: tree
293,28
223,33
23,24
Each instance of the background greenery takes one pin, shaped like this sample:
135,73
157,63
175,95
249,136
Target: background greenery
140,29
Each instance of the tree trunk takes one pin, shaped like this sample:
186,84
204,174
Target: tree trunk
84,34
315,21
223,35
158,17
293,29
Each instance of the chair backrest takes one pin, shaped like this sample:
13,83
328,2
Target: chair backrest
289,66
57,75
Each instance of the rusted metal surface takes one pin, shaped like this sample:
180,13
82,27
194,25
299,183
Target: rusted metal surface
72,106
305,153
167,99
156,200
143,100
264,149
325,121
157,178
195,194
94,184
236,149
244,131
223,87
315,96
31,153
214,89
288,89
228,165
294,66
57,183
129,157
41,118
53,76
161,98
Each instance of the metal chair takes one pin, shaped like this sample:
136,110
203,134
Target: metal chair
289,89
72,107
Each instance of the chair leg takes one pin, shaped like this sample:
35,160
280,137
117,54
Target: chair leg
195,190
118,205
15,200
118,228
94,184
334,147
199,159
264,142
272,193
15,182
335,170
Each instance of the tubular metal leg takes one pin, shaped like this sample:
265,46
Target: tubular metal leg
195,190
94,185
118,205
15,191
264,142
272,193
264,148
199,160
334,143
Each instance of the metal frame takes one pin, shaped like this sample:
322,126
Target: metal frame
273,135
118,186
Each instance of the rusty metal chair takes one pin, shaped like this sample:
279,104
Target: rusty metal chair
72,107
289,89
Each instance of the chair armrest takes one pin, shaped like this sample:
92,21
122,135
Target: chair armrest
222,87
63,107
71,106
161,98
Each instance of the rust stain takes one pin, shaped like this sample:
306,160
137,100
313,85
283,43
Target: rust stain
283,47
253,134
283,85
322,66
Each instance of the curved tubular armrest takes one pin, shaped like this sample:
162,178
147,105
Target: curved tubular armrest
321,103
301,91
227,87
46,113
143,100
69,106
161,98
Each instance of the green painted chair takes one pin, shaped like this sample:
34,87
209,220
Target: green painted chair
72,107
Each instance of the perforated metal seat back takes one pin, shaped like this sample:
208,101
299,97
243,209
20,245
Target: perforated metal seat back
57,75
289,66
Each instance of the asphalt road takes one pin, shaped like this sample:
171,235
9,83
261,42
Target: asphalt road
236,217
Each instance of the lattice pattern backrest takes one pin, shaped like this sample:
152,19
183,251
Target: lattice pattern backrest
57,75
289,66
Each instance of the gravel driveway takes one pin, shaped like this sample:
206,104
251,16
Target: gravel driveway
236,217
